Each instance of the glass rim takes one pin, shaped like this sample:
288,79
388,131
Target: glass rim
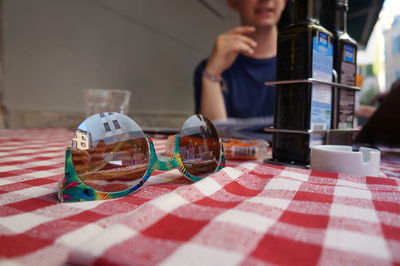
105,90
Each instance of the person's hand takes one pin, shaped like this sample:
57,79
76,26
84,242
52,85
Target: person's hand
378,99
228,46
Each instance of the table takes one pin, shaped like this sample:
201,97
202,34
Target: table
246,214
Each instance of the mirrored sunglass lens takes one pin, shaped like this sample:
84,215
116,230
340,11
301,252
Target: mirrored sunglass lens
110,152
199,146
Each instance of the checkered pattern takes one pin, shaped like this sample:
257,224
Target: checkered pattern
246,214
389,164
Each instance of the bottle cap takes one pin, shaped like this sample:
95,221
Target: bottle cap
338,4
303,11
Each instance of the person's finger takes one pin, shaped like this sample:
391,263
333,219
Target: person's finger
242,38
235,43
241,30
242,47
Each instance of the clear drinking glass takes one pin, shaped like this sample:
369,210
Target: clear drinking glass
106,100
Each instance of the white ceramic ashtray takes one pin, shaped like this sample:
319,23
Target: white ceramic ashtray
342,159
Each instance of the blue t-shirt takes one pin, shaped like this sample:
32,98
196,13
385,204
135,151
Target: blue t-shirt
247,95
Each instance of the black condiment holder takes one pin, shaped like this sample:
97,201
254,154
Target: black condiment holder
330,137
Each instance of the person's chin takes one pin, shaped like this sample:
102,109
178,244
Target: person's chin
265,23
262,22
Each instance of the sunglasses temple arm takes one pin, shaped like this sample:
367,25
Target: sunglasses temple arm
223,163
170,146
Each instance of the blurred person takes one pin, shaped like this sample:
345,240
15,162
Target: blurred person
230,83
381,96
366,111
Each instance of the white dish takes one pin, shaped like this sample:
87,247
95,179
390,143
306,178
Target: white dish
342,159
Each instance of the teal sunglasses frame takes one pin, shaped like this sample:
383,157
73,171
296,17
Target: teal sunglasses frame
72,188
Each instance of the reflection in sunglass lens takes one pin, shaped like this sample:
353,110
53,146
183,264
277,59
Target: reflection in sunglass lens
110,152
199,146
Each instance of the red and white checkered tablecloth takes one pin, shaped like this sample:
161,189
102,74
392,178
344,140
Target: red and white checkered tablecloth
246,214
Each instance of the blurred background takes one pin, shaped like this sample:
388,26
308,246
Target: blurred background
53,49
50,50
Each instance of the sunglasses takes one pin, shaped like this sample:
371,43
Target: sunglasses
111,157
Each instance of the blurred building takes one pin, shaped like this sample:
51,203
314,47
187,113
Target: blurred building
377,74
392,51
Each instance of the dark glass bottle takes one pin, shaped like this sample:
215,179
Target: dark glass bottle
305,51
344,62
